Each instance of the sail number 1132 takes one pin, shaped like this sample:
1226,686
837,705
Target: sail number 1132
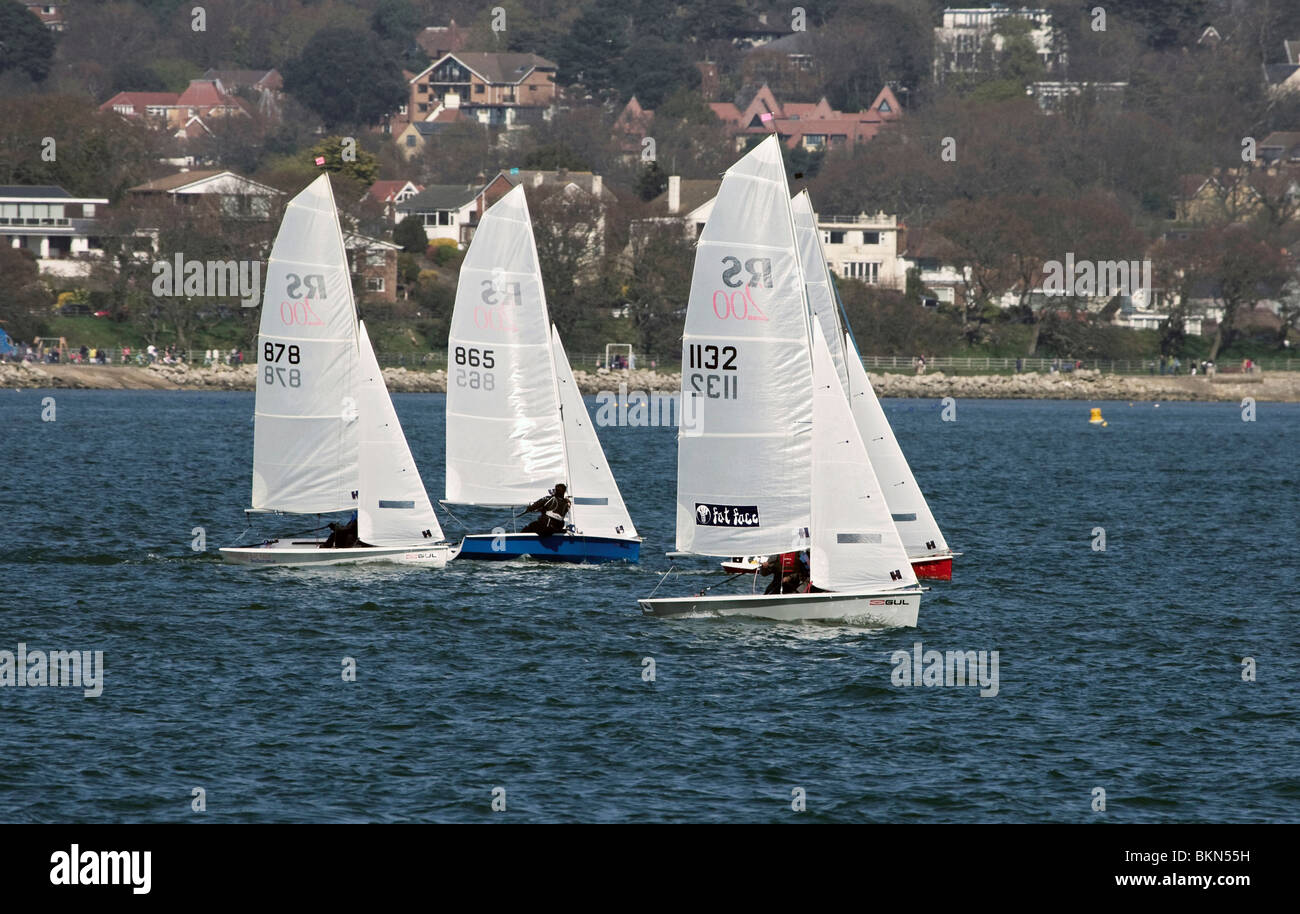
710,381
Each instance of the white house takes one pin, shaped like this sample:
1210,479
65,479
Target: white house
57,227
966,32
445,210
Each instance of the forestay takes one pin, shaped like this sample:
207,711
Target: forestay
598,508
854,543
743,480
305,431
393,508
505,444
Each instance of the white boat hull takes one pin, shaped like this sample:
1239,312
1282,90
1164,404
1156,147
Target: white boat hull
309,552
898,608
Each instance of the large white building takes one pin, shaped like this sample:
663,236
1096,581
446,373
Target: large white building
57,227
968,32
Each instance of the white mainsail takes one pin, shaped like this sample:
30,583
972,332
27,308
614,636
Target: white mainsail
907,504
393,508
305,427
598,508
743,480
854,543
505,441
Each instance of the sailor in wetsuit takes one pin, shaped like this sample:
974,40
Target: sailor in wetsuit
554,507
343,536
789,573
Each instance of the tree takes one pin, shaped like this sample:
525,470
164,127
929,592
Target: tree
359,165
659,287
569,228
25,43
410,234
26,302
651,181
652,69
345,77
1241,268
589,55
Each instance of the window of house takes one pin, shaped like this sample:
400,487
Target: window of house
423,88
871,238
376,259
410,141
479,88
836,238
374,283
884,107
445,217
424,107
865,270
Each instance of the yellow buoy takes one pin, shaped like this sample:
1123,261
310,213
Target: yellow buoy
1096,416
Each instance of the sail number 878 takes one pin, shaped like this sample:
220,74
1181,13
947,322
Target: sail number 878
468,359
273,373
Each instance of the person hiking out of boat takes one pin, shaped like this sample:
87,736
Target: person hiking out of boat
554,507
787,570
344,535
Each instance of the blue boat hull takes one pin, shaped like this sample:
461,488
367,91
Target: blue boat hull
574,548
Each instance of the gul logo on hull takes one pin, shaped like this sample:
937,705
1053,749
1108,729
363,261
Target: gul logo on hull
726,515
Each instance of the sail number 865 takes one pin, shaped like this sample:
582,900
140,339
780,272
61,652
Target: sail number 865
473,358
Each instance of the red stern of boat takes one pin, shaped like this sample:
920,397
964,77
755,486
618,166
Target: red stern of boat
933,569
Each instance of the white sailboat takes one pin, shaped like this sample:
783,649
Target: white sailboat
774,462
516,423
326,437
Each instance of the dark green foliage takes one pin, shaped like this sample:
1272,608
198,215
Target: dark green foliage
345,77
409,233
26,44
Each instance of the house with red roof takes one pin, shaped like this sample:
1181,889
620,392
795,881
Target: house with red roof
389,194
184,114
813,125
631,127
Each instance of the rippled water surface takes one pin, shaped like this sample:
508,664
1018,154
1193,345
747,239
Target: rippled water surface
1119,669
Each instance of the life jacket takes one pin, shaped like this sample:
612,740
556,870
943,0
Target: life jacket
789,562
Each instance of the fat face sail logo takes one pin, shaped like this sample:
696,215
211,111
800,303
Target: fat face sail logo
726,515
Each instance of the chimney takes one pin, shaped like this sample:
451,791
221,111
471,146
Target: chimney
674,194
537,179
597,185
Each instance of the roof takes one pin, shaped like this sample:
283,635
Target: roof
1278,73
1286,139
140,100
204,93
34,191
585,180
439,197
184,179
694,194
233,79
507,69
386,190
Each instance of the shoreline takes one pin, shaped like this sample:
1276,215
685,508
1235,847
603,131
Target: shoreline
1277,387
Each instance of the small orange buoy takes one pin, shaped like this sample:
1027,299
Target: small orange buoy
1096,416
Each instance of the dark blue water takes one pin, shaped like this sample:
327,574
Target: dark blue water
1118,669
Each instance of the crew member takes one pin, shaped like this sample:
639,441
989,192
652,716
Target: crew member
554,507
788,571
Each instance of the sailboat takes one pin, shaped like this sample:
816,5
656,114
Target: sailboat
325,435
926,547
516,423
774,462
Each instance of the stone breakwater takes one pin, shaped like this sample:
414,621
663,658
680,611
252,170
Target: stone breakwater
1078,385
